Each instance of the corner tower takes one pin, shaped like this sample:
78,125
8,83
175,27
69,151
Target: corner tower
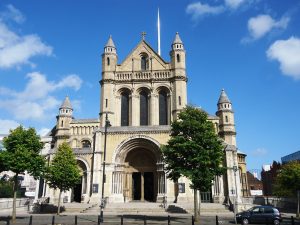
177,55
109,64
226,115
63,118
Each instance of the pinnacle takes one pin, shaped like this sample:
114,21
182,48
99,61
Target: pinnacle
110,42
66,103
177,39
223,97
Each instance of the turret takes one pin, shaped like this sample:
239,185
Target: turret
177,54
226,115
178,71
63,118
109,59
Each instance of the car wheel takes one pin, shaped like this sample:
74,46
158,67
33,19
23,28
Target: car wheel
245,221
276,222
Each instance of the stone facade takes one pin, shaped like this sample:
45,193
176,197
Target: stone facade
140,97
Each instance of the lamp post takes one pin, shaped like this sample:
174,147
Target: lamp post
235,197
106,125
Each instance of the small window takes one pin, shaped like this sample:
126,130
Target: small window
62,123
108,61
178,58
86,144
226,119
106,103
179,100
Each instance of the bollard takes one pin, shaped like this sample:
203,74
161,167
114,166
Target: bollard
30,220
217,220
293,221
145,221
193,220
169,220
98,219
75,219
53,220
121,219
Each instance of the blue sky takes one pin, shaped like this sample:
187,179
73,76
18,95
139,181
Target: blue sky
251,48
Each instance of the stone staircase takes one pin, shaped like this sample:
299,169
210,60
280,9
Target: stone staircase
130,208
205,208
150,208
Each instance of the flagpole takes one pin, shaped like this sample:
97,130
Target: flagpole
158,32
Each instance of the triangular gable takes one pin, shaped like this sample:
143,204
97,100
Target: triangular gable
158,62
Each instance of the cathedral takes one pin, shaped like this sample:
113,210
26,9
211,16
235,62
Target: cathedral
140,97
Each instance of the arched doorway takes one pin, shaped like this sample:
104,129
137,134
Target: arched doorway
80,188
141,171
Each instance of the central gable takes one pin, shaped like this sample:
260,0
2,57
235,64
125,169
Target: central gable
133,62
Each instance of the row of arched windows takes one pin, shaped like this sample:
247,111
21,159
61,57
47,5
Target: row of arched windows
81,144
144,108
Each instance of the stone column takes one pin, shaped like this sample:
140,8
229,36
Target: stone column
142,187
154,109
135,110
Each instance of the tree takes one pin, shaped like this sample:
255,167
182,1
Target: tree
194,151
287,183
63,172
21,153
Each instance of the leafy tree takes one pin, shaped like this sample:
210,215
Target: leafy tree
63,172
194,151
287,183
22,147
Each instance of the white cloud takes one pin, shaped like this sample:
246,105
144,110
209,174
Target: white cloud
198,9
15,49
287,53
43,131
12,13
35,101
260,25
6,125
259,152
234,4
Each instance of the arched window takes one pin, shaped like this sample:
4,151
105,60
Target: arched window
144,62
108,61
163,108
86,144
125,109
62,123
144,108
178,58
226,119
179,100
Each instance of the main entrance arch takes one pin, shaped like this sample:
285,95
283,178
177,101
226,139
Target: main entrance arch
81,187
139,162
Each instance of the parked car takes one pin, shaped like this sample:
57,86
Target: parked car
260,214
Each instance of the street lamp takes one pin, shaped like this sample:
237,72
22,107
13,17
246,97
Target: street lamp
106,125
235,199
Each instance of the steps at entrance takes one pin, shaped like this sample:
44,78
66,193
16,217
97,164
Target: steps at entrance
76,207
206,208
130,208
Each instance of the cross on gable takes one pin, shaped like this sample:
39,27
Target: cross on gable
143,35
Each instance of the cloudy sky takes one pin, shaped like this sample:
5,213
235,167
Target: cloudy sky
251,48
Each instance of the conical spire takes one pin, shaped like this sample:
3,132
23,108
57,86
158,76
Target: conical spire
66,104
177,39
223,97
110,42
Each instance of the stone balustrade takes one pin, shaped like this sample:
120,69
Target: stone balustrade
146,75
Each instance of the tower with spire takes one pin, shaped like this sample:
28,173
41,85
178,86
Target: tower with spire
177,55
226,115
63,120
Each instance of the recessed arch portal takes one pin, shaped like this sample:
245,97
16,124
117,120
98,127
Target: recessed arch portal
143,176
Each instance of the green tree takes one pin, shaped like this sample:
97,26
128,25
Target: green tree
63,172
22,148
194,151
287,183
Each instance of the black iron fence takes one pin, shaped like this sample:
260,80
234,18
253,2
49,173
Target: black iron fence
128,220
